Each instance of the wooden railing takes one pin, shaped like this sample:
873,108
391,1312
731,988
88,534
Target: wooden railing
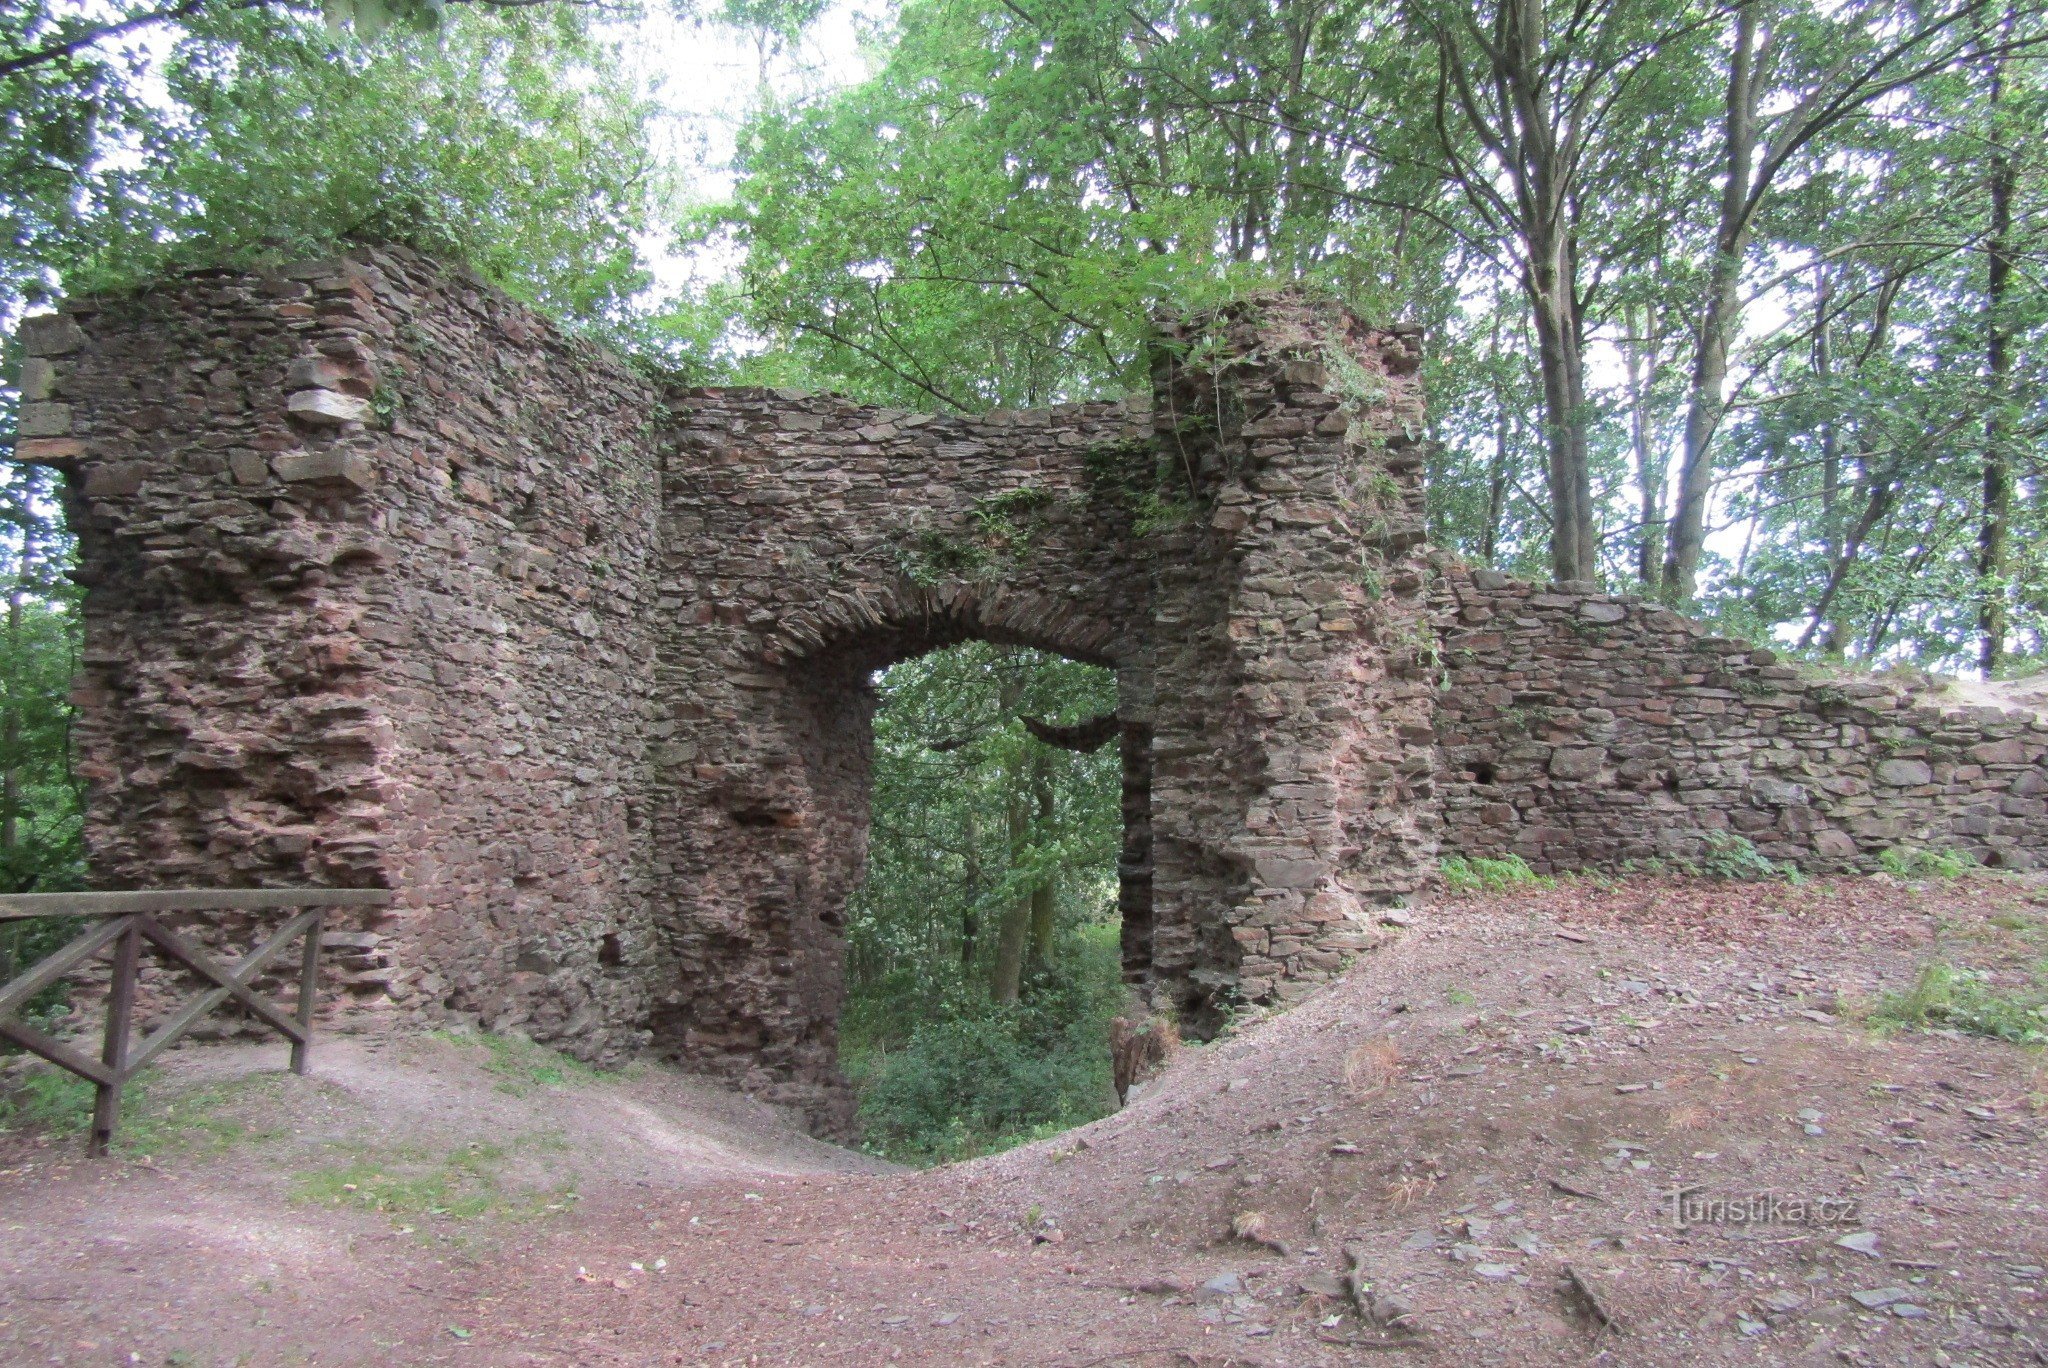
125,922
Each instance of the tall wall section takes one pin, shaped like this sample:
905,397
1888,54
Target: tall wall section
367,556
1293,767
811,542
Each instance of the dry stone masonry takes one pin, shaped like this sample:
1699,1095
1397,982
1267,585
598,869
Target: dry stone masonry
1583,731
392,584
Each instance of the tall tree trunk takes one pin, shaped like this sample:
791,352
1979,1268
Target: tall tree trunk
1012,933
1011,937
1881,491
1639,357
1834,640
1574,542
1042,893
10,733
1513,109
1998,337
1720,318
1496,483
1544,172
1497,466
970,915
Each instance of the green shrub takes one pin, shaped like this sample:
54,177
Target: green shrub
1729,856
972,1077
976,1084
1946,997
1915,862
1484,874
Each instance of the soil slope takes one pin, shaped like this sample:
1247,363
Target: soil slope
1484,1123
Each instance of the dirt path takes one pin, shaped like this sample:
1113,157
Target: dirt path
1490,1114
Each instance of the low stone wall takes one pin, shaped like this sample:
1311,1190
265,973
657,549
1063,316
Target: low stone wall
1580,731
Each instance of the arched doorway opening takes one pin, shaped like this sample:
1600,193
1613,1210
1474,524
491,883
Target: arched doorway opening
771,840
984,955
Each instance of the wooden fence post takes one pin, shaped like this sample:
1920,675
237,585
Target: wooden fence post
106,1112
309,985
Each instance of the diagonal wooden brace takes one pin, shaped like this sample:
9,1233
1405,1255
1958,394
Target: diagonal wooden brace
57,1052
231,983
16,994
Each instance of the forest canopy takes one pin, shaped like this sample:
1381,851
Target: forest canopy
1737,305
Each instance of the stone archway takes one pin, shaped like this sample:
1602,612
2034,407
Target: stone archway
770,830
406,589
391,584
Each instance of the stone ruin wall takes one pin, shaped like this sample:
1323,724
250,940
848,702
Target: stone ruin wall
1584,731
810,542
391,584
1292,785
366,552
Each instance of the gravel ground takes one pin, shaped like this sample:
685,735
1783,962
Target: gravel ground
1484,1123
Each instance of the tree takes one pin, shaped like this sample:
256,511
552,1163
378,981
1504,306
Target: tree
991,218
1789,84
504,140
1540,118
2002,163
959,754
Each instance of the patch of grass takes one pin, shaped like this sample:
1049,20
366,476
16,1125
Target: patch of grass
521,1065
52,1101
464,1184
1914,862
1486,874
155,1119
1947,997
201,1120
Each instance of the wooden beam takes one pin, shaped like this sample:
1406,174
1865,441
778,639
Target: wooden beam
309,989
245,968
202,964
17,905
56,1051
106,1112
52,967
